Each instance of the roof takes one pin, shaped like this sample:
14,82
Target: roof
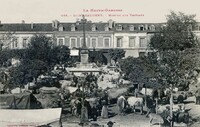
100,26
26,27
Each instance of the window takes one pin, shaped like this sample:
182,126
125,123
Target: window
106,42
15,43
60,41
94,42
24,42
106,28
119,27
119,42
60,28
131,28
141,27
132,42
93,27
72,27
73,42
143,42
152,27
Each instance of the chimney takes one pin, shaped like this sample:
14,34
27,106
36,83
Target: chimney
31,25
23,22
114,23
77,21
110,23
56,24
53,23
146,27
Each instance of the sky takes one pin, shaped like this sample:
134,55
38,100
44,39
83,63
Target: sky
135,11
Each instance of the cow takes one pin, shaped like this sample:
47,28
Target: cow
155,119
134,102
179,114
65,83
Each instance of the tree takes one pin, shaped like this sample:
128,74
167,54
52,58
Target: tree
39,48
39,58
138,69
59,55
175,44
116,54
6,54
26,72
96,56
6,40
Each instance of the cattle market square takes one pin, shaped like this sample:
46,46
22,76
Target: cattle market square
79,90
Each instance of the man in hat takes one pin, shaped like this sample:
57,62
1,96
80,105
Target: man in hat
166,115
110,124
197,95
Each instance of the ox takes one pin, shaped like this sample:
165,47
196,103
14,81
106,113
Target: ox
155,119
134,102
65,83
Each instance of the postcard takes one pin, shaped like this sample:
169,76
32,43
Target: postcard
71,63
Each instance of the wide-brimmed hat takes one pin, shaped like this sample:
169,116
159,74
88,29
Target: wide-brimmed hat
110,123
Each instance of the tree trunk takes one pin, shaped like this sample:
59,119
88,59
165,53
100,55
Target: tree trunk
171,107
145,97
156,105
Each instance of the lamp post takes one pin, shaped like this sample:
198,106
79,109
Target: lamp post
84,60
83,21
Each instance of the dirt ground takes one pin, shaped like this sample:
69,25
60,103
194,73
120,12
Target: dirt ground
134,119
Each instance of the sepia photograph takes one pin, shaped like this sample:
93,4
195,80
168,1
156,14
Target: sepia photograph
99,63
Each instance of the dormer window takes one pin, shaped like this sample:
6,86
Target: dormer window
119,28
106,28
93,27
131,28
141,27
60,28
163,26
72,27
152,28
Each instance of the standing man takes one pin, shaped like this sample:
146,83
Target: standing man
121,103
197,95
84,114
75,79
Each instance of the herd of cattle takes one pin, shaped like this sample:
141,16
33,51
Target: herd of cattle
125,99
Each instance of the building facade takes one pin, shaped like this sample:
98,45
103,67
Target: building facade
132,37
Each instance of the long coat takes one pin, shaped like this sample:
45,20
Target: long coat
121,103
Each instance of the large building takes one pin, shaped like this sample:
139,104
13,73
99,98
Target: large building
132,37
